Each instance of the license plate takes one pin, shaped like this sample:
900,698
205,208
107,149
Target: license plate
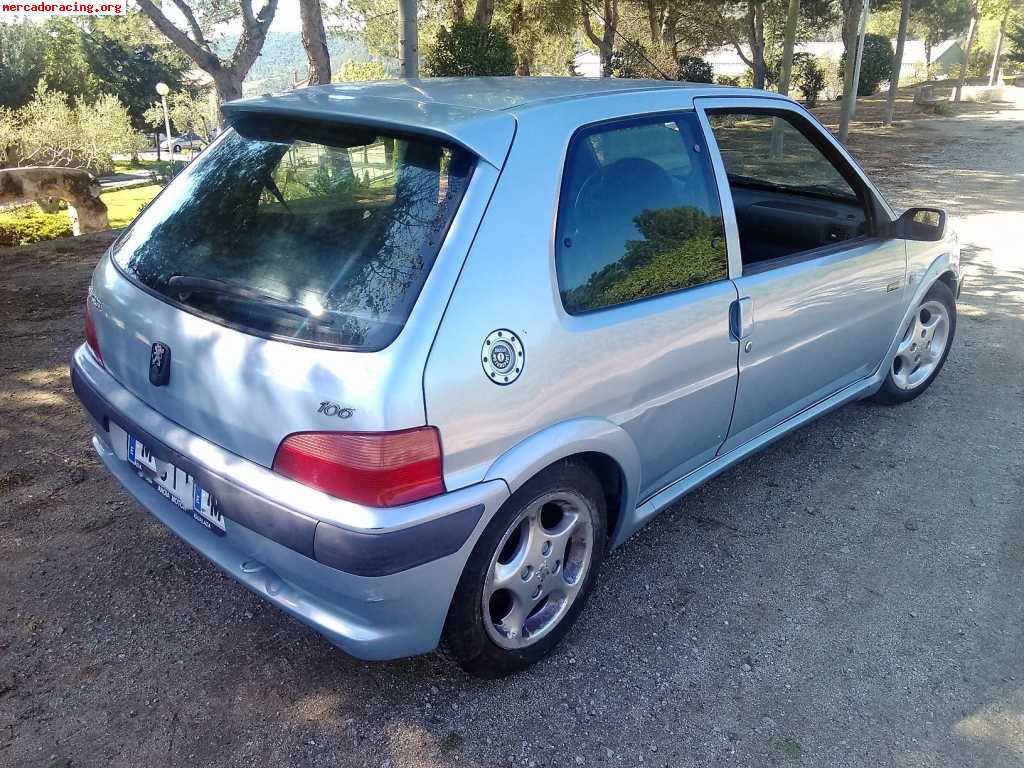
175,485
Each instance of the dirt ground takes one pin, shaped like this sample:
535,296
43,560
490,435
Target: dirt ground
851,596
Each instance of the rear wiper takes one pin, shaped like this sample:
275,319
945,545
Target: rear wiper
183,285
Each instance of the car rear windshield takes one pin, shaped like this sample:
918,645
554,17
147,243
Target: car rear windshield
309,232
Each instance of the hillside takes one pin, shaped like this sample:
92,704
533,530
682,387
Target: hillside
282,57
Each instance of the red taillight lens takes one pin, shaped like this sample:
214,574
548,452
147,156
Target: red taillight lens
90,332
380,469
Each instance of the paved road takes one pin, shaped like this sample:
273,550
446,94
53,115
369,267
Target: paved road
850,597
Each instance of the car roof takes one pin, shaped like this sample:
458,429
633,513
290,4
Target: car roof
477,113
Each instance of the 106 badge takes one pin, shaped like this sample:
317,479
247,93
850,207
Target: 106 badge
503,356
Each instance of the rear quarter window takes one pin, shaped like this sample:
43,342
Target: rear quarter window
314,233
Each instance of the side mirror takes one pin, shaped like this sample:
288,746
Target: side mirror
927,224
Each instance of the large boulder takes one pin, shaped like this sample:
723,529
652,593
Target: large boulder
45,186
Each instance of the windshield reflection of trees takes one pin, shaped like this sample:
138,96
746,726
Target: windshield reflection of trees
300,224
676,252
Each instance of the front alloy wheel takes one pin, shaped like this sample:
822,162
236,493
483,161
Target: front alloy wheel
922,351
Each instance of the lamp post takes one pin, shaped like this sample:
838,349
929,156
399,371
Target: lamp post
163,90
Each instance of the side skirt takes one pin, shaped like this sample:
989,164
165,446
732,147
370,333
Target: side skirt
672,493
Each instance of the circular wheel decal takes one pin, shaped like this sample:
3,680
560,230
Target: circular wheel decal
502,356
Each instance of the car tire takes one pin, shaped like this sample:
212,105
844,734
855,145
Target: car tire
537,558
923,349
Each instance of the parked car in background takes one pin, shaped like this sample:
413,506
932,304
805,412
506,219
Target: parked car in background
461,338
191,141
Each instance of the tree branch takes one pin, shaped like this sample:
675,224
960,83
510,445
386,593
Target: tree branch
203,58
254,32
197,32
588,28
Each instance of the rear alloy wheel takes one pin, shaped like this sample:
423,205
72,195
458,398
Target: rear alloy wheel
529,574
922,351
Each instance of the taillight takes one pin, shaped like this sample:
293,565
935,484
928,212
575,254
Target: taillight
90,332
379,469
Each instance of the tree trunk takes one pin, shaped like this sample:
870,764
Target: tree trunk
408,41
894,78
967,56
757,45
789,43
458,11
993,75
484,13
605,43
227,84
314,40
852,31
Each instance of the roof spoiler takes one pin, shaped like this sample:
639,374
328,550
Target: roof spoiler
486,134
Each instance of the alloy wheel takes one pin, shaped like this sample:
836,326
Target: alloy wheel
922,347
538,569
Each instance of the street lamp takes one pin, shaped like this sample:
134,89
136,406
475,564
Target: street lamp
163,90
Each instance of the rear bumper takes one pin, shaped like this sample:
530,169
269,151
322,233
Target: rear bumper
376,582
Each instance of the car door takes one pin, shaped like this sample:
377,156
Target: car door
821,281
642,272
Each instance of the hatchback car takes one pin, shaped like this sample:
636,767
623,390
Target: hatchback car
191,141
406,359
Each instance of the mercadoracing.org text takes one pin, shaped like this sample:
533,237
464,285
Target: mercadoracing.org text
66,9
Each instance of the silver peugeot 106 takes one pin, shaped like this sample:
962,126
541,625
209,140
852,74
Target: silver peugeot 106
406,359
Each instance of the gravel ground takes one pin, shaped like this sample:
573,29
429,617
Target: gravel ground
851,596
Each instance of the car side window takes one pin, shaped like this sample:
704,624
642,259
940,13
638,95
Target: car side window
789,197
639,214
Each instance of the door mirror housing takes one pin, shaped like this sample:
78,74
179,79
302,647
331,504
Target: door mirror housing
926,224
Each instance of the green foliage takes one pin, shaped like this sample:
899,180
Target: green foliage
694,69
50,130
876,64
1015,44
117,55
186,111
809,77
676,253
936,20
29,224
727,80
23,48
352,71
469,49
129,58
636,60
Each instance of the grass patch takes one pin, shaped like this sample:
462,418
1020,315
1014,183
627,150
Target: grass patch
127,166
788,747
123,204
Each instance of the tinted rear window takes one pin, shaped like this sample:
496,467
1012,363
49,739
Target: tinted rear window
315,233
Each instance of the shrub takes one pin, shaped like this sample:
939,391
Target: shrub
29,224
469,49
354,71
876,64
694,69
809,77
50,130
727,80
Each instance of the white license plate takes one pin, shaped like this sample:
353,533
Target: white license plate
175,485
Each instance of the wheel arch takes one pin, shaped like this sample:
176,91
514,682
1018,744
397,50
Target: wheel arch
949,277
604,447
